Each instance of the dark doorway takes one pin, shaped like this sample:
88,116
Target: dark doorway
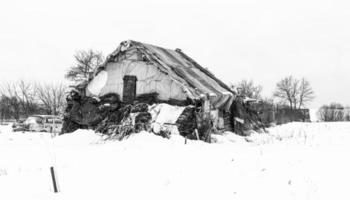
129,89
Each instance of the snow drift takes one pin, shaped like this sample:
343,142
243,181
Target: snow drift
293,161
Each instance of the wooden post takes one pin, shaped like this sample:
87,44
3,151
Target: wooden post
53,176
196,132
206,107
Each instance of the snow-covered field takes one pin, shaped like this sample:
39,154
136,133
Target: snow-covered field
293,161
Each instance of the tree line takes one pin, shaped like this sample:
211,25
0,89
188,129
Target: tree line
289,92
334,112
294,93
20,99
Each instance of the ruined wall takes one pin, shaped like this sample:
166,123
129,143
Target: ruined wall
284,115
149,80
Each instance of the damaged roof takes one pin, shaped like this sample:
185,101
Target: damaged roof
180,67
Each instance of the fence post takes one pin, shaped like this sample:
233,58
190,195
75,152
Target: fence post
53,176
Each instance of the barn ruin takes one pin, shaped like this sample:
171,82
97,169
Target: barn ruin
142,73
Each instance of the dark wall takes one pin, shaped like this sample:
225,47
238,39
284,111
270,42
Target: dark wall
283,116
271,114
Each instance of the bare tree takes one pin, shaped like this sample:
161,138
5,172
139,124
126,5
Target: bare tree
85,63
5,112
51,97
306,94
248,89
296,93
286,90
9,104
26,94
20,97
9,108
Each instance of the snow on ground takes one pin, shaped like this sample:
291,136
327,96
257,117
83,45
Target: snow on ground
293,161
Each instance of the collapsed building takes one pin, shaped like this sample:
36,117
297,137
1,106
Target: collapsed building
136,76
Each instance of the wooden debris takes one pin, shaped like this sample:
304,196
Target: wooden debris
117,120
186,123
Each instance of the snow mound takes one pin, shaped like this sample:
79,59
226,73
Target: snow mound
6,128
79,137
144,137
296,133
228,137
149,139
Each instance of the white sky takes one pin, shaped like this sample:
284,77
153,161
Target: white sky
248,39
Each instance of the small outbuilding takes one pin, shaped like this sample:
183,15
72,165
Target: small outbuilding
137,71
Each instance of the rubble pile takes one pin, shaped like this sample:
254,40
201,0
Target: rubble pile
117,120
187,122
126,120
246,118
109,116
